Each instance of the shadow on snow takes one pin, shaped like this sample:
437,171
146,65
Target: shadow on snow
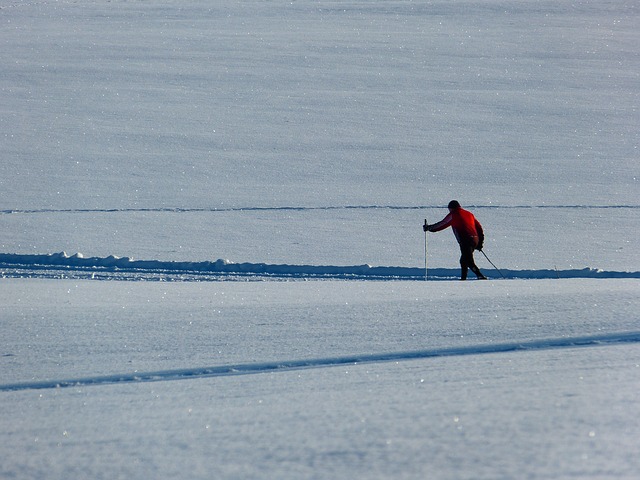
125,268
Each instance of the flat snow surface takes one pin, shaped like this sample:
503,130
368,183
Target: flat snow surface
212,257
320,379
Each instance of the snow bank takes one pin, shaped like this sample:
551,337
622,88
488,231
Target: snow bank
140,269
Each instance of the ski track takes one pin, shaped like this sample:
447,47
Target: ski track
297,208
610,339
59,265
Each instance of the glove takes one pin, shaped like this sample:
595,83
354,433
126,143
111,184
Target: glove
479,247
425,227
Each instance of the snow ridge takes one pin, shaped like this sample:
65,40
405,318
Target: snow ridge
125,268
288,365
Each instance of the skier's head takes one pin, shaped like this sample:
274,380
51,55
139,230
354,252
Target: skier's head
454,205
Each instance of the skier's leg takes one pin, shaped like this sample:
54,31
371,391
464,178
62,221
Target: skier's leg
467,261
464,264
476,270
472,264
463,269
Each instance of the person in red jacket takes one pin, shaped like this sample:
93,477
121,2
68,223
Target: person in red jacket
468,232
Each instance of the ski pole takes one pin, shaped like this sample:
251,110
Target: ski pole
485,256
426,270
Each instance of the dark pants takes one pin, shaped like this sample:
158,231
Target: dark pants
467,246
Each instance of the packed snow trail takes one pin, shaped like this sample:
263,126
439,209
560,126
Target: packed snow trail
124,268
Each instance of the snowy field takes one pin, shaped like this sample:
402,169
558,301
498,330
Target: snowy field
212,256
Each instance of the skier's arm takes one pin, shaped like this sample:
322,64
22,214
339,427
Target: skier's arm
441,225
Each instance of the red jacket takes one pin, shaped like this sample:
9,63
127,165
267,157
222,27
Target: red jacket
464,225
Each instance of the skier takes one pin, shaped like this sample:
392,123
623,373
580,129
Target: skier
468,232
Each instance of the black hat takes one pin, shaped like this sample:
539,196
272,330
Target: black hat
454,205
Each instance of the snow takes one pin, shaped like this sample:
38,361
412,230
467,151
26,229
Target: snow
430,390
212,257
116,268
